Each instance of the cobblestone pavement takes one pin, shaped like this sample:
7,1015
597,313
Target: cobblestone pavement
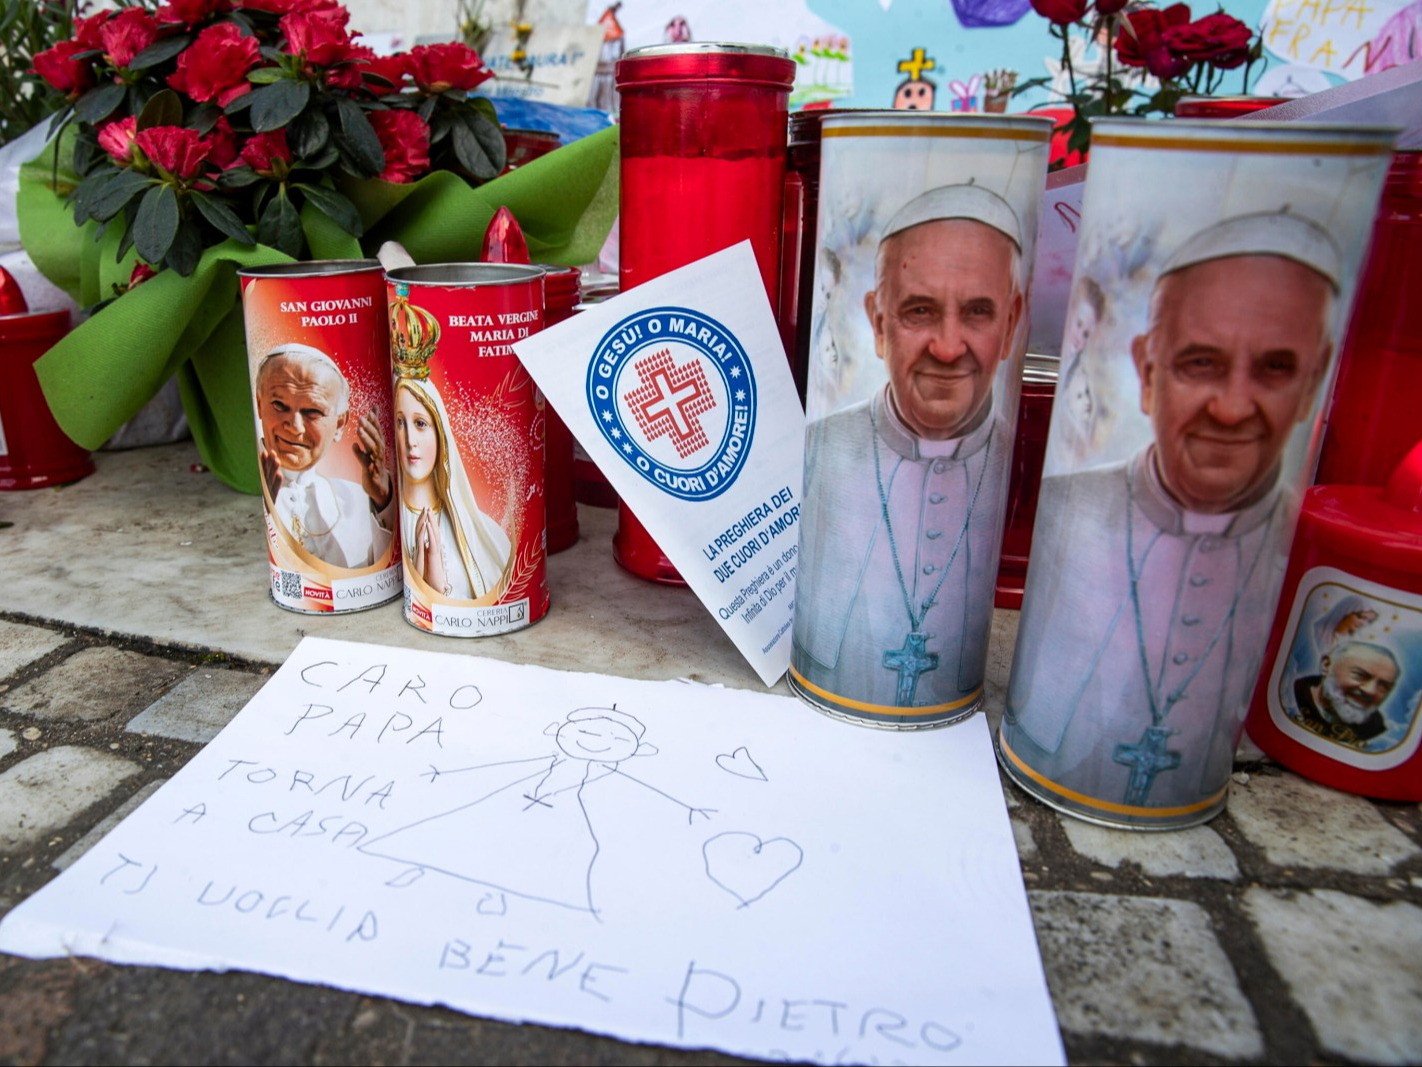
1288,930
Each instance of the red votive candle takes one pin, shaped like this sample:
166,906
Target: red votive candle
561,292
703,136
34,451
1373,421
1340,697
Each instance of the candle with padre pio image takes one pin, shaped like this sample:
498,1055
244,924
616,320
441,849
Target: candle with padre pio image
1221,263
318,354
469,444
925,239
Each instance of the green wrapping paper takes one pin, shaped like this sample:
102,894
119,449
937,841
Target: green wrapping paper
106,369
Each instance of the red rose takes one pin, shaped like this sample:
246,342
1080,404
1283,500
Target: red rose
1142,29
319,36
222,144
64,73
1062,12
406,140
1219,39
116,138
214,67
440,67
181,152
1165,64
395,69
264,150
86,31
190,12
126,34
1107,8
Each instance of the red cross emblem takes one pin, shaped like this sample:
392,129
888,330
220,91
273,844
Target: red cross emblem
669,400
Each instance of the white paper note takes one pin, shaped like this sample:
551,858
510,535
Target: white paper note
680,392
657,861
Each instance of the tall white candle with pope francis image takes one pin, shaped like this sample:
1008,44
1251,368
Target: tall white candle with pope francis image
1227,256
927,225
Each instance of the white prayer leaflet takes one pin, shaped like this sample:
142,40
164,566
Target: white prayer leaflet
657,861
680,392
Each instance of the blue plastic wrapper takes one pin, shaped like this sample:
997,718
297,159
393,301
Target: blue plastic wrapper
569,123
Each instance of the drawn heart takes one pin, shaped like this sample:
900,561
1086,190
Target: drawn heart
748,867
741,765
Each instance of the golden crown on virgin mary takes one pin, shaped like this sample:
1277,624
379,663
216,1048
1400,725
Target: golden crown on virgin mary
414,335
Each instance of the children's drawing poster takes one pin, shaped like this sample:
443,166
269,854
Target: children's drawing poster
1319,43
932,55
658,861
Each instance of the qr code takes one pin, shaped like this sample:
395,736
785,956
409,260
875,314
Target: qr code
290,585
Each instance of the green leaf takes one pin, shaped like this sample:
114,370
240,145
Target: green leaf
322,161
238,177
204,117
156,225
280,226
426,108
222,217
242,103
440,127
265,75
99,103
335,206
60,120
356,138
108,200
478,145
275,105
186,249
165,108
308,133
484,106
159,51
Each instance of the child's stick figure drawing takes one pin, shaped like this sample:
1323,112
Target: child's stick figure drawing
530,835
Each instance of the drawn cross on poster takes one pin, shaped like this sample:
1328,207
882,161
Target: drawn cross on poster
670,399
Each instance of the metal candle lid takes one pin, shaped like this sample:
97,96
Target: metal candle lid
309,268
748,64
459,274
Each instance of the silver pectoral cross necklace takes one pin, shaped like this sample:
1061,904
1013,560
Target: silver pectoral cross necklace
912,658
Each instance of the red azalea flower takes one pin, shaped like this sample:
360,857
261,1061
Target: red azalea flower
440,67
396,69
1107,8
1062,12
190,12
116,138
64,73
347,75
86,31
179,151
264,150
1141,34
222,144
1219,39
406,140
214,67
126,34
319,36
141,273
287,7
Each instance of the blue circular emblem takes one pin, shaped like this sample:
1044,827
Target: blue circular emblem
672,392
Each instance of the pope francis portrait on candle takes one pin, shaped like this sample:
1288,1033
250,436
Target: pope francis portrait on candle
1153,581
900,537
